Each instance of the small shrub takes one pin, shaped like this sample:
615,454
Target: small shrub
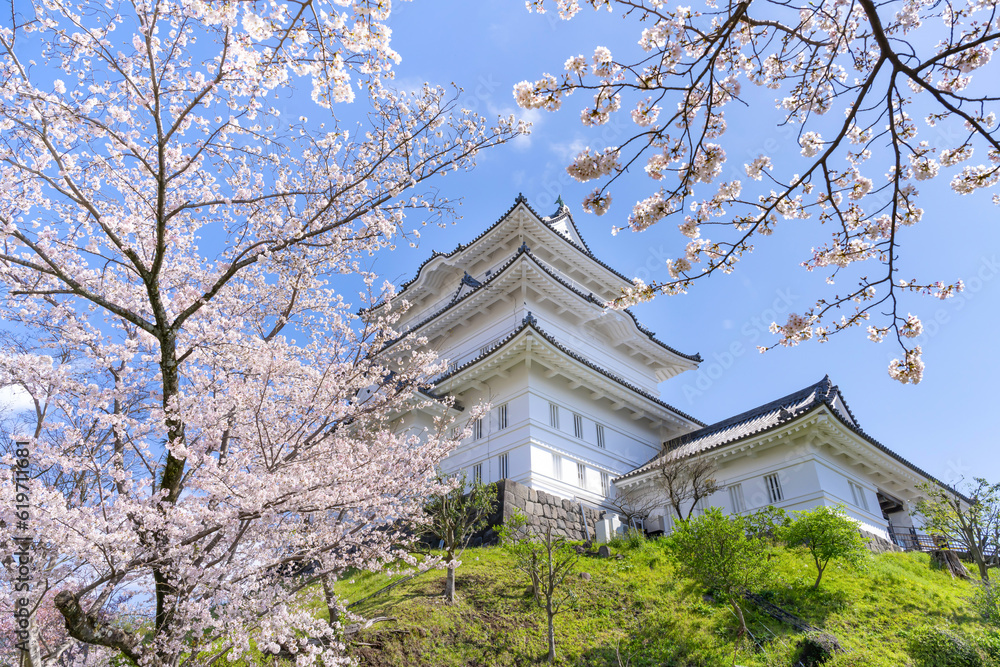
816,648
631,540
985,601
940,647
828,534
989,643
634,539
766,524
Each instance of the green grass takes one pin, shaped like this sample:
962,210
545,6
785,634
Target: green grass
637,608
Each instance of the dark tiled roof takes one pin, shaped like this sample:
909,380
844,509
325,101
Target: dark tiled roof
772,415
753,421
521,199
523,250
529,321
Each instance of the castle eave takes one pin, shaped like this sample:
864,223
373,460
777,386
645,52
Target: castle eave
531,344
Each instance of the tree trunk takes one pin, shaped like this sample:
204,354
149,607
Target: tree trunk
948,560
331,599
984,570
977,554
536,585
552,632
173,469
743,627
33,656
449,585
739,616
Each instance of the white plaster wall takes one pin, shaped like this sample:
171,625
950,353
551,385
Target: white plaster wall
808,479
628,443
497,391
595,347
530,441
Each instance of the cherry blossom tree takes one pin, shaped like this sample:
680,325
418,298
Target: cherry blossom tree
870,90
210,414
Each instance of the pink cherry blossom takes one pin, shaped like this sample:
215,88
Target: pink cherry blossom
211,414
846,77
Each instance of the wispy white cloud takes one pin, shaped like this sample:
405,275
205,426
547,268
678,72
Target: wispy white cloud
534,116
567,150
14,399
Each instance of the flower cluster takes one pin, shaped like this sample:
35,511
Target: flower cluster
827,64
910,369
597,202
216,415
797,329
912,327
590,165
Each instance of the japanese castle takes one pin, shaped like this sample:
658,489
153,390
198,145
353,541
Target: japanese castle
519,313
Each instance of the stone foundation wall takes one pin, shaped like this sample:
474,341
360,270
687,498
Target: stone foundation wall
878,544
543,510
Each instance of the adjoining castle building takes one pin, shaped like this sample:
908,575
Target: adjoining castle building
519,313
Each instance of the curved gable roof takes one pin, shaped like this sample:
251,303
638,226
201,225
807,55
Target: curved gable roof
529,322
547,222
773,415
496,276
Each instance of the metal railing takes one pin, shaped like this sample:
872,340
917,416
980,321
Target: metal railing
911,540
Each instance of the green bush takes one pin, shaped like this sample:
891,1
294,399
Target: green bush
986,602
940,647
632,540
828,534
816,648
989,644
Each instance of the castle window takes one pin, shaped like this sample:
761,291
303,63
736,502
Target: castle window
578,426
581,475
477,429
553,415
858,492
773,485
503,466
736,501
556,466
605,484
600,435
502,417
477,473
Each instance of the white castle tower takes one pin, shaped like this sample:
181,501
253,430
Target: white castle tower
519,314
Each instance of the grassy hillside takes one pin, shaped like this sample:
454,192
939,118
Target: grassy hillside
635,608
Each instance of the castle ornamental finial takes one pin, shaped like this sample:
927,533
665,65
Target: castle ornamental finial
470,281
520,198
524,247
529,319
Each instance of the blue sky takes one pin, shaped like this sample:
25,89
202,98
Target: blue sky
948,424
